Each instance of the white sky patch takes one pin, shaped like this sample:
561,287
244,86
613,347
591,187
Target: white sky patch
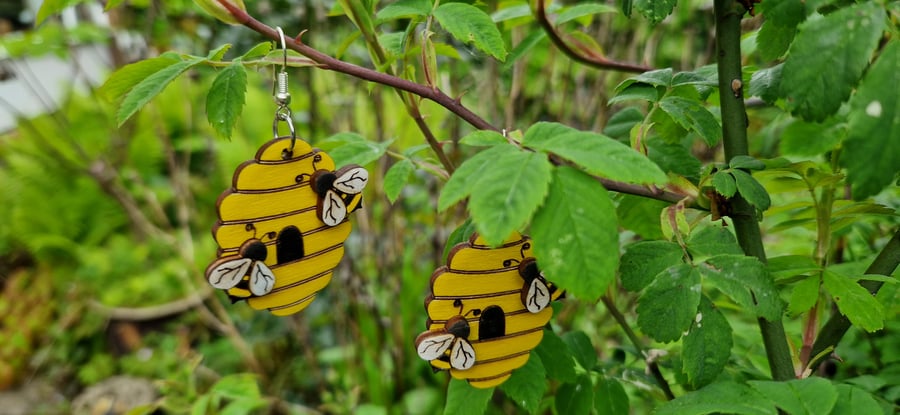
874,109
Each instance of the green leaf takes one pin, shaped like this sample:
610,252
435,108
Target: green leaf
51,7
712,240
461,234
122,80
404,8
581,348
827,58
218,53
352,148
744,279
261,49
724,183
852,400
672,157
872,149
669,304
527,385
600,155
787,266
396,178
151,86
508,193
707,346
462,398
804,295
854,301
751,190
483,138
810,396
575,398
610,397
469,24
746,162
225,99
556,357
801,138
544,130
510,11
655,10
620,124
783,13
657,77
773,40
582,9
641,215
766,83
643,261
720,397
243,406
691,115
470,173
574,232
636,92
236,386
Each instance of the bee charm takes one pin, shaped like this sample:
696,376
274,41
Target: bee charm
487,310
350,181
248,266
275,250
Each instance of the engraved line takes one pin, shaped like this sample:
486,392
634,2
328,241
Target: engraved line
301,282
476,296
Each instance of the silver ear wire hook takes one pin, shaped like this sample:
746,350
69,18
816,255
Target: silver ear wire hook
283,97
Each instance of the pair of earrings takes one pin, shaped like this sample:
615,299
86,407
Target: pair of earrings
281,230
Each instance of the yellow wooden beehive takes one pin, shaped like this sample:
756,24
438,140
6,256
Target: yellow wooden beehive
270,226
486,312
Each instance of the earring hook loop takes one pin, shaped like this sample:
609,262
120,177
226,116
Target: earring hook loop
283,97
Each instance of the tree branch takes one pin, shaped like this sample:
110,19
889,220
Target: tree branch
734,131
332,64
838,324
428,92
584,54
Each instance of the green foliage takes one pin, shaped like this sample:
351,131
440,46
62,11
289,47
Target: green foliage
814,84
111,206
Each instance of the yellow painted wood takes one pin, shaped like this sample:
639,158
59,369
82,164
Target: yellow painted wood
477,277
269,194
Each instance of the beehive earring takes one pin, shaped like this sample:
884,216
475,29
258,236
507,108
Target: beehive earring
487,310
283,223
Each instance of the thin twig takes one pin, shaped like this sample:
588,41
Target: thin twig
636,342
584,54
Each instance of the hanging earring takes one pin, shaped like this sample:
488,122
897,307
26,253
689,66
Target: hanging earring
283,223
487,310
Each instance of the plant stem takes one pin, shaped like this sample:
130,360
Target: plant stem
584,54
836,326
651,363
734,129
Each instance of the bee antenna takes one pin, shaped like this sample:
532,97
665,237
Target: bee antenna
526,245
475,311
316,158
509,262
250,228
458,304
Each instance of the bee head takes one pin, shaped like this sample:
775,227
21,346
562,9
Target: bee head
529,270
322,180
254,249
458,326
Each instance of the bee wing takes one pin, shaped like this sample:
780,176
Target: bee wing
332,209
262,279
431,345
462,355
351,180
226,273
537,297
